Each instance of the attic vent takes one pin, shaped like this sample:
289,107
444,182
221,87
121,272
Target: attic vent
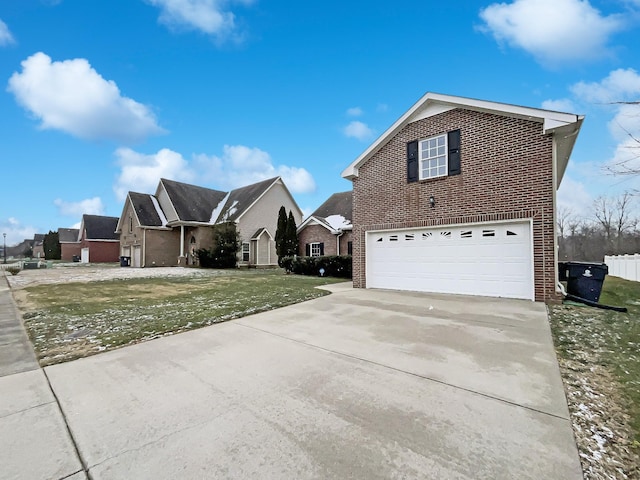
393,238
427,235
409,237
510,233
466,234
445,234
488,233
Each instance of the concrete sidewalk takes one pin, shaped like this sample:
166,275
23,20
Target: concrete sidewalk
360,384
34,439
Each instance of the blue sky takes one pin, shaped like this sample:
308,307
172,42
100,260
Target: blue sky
100,98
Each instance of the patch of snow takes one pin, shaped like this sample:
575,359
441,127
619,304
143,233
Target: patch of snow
163,219
216,211
338,222
230,212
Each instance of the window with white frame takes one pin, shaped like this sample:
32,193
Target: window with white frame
315,249
433,157
245,251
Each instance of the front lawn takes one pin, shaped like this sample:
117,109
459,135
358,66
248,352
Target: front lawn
599,355
71,320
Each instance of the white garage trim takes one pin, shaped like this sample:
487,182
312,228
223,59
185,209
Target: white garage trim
489,259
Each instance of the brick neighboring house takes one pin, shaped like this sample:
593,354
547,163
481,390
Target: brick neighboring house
69,243
458,196
99,242
168,228
327,231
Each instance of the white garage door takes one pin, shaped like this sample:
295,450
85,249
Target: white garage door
481,259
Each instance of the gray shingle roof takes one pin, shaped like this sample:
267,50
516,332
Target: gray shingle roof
242,198
98,227
145,209
337,204
68,235
192,203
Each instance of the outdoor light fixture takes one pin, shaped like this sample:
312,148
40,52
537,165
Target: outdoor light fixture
432,201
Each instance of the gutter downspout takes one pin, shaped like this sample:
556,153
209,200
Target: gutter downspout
340,233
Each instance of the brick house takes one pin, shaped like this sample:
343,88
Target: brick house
168,228
99,242
327,231
458,196
69,243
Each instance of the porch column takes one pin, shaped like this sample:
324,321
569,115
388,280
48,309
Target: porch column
182,240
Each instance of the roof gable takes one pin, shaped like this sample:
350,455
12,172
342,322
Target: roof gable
564,126
98,227
242,199
337,204
147,210
192,203
68,235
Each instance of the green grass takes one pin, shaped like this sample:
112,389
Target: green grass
71,320
606,338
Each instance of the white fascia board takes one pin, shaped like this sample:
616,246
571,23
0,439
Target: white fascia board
311,220
434,103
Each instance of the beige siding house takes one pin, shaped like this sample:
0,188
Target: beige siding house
168,228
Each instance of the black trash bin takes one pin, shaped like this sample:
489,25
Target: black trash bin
125,261
76,258
584,279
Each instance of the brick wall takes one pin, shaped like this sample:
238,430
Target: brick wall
317,233
506,174
102,252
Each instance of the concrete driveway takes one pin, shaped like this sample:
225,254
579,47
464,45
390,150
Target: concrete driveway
359,384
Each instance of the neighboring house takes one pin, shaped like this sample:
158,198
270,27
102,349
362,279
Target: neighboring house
69,243
38,245
168,228
327,231
458,196
99,242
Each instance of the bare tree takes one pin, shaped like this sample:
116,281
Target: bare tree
628,165
564,217
616,217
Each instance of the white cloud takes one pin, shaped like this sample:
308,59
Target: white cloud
563,105
382,107
354,112
619,85
16,231
207,16
553,31
358,130
71,96
240,165
141,173
89,206
573,195
5,35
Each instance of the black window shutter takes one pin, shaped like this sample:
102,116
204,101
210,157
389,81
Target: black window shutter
349,248
321,249
412,161
307,249
454,152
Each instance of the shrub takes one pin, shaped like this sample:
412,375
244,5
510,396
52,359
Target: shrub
225,248
14,269
334,265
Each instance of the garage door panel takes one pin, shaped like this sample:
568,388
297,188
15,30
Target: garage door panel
490,259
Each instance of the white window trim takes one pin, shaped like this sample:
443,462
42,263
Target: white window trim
247,251
421,160
311,248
